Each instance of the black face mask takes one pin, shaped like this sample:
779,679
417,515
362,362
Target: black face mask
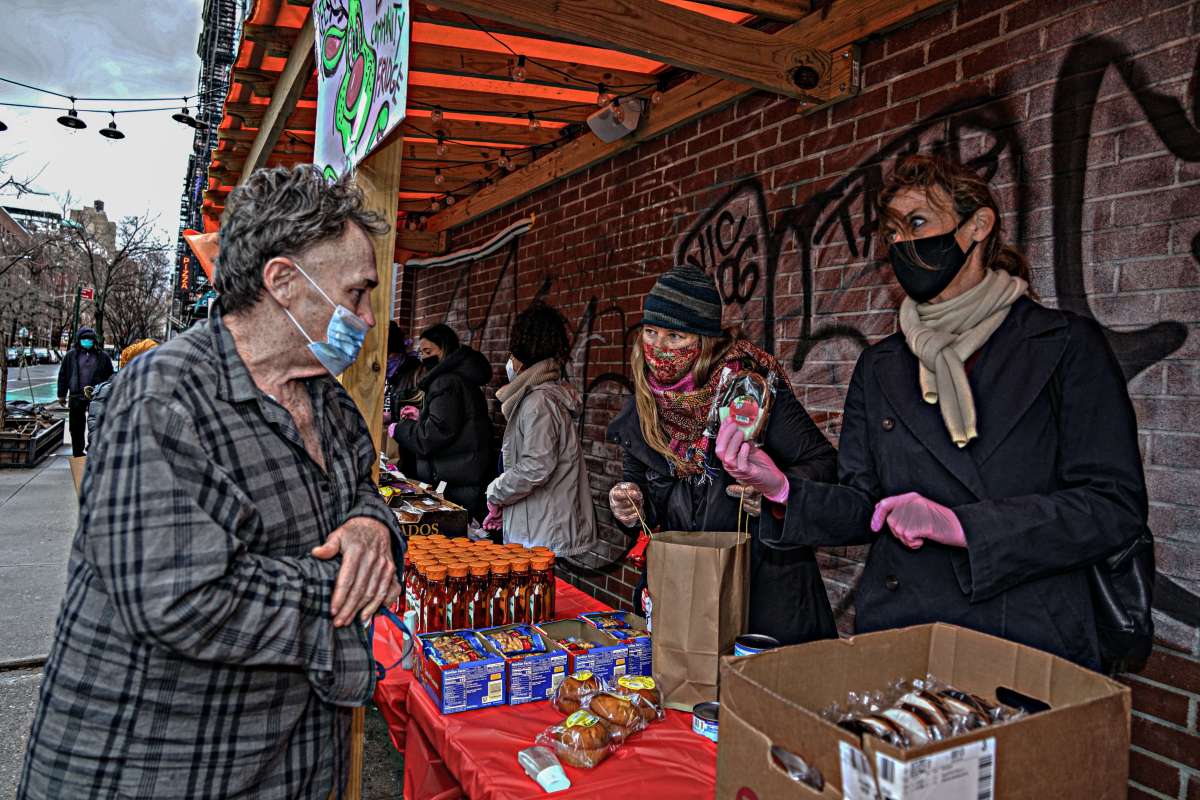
429,362
925,267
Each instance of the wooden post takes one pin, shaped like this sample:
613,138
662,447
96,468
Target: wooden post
378,176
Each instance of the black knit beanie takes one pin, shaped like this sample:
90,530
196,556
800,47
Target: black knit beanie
684,299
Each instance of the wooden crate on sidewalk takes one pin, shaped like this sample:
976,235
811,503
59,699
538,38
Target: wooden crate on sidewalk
26,442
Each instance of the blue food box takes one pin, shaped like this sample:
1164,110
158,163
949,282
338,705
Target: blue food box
630,629
599,653
459,671
536,666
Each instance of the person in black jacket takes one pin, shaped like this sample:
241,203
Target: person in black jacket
671,476
451,433
84,367
989,450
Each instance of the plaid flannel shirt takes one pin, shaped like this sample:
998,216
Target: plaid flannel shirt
195,654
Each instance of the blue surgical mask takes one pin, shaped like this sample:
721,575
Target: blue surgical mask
344,334
87,344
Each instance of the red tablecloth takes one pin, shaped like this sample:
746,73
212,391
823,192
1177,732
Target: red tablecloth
474,754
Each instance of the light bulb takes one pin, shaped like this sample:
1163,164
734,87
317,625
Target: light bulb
534,122
436,116
441,146
518,72
439,178
657,97
450,200
603,97
435,205
618,113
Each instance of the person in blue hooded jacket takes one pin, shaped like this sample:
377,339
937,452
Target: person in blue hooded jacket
83,368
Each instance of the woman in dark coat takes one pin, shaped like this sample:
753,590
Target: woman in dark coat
670,472
451,434
989,450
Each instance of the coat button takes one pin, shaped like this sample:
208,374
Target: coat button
892,583
888,423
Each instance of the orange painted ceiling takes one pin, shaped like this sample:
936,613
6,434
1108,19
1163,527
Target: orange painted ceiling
459,65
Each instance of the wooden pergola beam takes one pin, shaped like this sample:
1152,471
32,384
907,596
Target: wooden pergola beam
287,92
694,97
427,242
482,64
777,63
786,10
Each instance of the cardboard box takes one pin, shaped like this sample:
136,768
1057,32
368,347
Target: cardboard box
534,676
640,649
1077,749
465,686
607,659
422,513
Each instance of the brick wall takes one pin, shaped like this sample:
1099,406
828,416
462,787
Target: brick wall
1084,114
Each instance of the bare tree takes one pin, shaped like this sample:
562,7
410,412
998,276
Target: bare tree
109,270
138,306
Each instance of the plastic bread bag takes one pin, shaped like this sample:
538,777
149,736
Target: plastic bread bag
620,713
643,692
581,740
575,691
911,713
746,398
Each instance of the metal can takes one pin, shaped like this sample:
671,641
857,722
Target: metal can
751,643
704,719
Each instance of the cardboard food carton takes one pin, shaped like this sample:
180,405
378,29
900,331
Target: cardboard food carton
608,659
530,677
421,512
1077,748
465,686
640,649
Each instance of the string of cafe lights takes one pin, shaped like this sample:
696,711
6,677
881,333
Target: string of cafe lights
72,120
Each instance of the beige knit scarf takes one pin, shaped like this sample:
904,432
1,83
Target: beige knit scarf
943,336
511,394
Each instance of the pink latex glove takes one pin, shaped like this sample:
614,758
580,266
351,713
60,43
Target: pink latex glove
391,429
749,465
410,412
913,519
494,521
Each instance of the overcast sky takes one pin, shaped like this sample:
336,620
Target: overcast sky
100,48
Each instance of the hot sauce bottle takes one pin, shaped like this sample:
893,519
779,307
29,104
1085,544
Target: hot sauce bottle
477,591
540,608
497,595
457,596
433,604
518,597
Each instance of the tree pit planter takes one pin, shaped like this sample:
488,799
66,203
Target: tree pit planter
27,441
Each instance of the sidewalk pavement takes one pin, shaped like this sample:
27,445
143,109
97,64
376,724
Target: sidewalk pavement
38,511
38,514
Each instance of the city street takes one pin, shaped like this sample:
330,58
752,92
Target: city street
40,379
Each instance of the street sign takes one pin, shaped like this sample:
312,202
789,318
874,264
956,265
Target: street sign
87,293
23,333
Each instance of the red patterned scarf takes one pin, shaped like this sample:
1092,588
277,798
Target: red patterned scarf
683,408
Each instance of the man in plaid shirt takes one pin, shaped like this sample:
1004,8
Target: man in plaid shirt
231,540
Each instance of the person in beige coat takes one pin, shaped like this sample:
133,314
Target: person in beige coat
542,498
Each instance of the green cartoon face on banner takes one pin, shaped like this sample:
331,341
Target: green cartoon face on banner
357,103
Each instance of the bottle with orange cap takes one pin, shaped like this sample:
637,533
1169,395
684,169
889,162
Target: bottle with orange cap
518,596
478,573
433,605
497,594
457,596
541,606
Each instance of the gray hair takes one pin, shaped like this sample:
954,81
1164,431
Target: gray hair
278,212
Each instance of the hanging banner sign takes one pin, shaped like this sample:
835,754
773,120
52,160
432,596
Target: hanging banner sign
362,64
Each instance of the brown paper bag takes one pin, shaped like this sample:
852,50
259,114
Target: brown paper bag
700,589
77,465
